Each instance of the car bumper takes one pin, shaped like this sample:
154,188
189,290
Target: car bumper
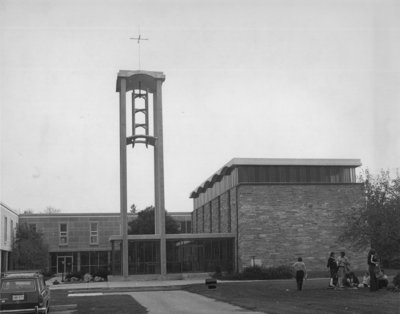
36,309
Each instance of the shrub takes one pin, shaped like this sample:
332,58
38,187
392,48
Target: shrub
103,273
253,272
259,273
47,274
280,272
75,274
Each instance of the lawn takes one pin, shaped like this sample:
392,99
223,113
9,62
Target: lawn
281,296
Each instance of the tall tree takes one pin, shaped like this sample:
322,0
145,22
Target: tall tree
29,251
377,223
144,223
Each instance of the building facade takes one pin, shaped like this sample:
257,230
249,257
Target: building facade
280,209
9,223
81,242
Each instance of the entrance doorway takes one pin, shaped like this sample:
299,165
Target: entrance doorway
64,264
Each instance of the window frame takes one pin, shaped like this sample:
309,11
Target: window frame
93,233
63,234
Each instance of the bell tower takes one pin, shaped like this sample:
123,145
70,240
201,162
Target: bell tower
145,89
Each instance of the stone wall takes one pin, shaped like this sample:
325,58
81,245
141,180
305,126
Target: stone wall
278,223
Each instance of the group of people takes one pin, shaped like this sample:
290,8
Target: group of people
339,268
341,275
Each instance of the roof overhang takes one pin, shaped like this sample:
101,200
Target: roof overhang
145,79
175,236
235,162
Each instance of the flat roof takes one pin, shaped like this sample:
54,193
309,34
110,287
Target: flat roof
293,162
69,215
235,162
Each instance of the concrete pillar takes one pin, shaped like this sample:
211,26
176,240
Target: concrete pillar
78,262
159,175
112,259
123,177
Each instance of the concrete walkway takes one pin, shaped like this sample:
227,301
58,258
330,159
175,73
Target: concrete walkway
183,302
157,302
124,284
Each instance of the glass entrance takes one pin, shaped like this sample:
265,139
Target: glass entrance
64,264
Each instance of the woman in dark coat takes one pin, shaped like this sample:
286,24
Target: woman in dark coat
333,268
372,265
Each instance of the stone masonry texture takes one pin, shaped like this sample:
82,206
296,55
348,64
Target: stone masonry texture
279,223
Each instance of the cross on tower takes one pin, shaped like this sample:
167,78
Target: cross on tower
139,39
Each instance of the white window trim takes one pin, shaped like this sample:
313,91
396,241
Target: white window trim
62,234
93,233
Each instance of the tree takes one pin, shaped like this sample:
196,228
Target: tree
144,223
50,210
29,251
133,209
376,224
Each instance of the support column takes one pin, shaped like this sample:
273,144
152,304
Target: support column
123,177
112,259
78,262
159,176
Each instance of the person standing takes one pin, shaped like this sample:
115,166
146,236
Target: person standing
333,270
372,265
343,267
301,272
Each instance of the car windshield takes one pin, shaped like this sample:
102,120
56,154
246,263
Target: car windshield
17,285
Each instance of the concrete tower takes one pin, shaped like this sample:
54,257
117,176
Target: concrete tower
142,84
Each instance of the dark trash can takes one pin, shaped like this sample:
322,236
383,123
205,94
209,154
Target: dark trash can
211,283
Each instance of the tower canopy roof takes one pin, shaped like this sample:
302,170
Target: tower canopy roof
144,79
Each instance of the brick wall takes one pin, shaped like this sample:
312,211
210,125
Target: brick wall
207,216
278,223
78,231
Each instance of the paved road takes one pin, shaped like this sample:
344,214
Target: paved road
183,302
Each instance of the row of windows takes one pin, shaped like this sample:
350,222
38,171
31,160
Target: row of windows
93,237
296,174
63,233
199,216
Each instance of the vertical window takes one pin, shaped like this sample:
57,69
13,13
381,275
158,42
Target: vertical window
5,229
63,234
94,233
210,217
229,211
32,227
219,214
202,218
12,230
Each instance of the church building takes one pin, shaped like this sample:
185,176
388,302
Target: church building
280,209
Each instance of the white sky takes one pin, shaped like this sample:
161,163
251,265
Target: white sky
270,79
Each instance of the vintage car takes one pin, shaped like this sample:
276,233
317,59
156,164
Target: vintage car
24,292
